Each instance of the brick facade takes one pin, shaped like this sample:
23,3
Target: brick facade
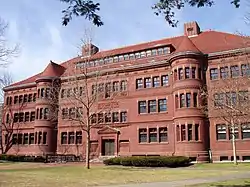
156,113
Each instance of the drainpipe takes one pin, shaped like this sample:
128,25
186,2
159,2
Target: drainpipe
174,139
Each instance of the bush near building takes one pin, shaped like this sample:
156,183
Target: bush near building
150,161
22,158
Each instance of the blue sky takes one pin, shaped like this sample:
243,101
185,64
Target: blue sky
37,27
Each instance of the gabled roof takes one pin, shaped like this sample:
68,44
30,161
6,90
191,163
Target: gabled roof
53,70
186,45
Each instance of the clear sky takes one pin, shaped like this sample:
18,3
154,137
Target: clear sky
36,25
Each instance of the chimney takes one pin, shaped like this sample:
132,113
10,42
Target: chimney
191,29
89,50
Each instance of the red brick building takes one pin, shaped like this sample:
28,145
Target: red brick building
157,112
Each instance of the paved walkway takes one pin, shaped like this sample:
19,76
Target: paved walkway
187,182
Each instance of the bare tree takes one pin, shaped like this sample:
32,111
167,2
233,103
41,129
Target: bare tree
229,101
6,52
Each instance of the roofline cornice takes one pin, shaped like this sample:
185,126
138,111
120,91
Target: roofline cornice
184,54
245,50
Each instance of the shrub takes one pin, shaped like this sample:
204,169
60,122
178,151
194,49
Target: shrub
22,158
150,161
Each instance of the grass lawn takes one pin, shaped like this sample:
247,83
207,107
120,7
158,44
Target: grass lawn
75,175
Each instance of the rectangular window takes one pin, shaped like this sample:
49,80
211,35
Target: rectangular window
163,134
162,105
39,137
245,69
199,73
25,98
187,72
182,100
147,82
108,117
71,138
100,118
34,97
156,81
164,80
14,139
152,135
196,132
213,74
148,53
193,72
116,86
78,137
235,71
190,132
21,117
245,128
44,137
142,107
236,132
195,97
27,116
63,137
123,85
126,57
154,52
93,119
221,132
30,98
188,100
137,55
160,51
108,90
20,138
139,83
143,135
15,99
224,72
115,117
231,98
218,99
31,138
123,116
25,138
16,117
94,90
180,72
132,56
166,50
152,106
183,132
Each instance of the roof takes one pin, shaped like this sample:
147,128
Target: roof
206,42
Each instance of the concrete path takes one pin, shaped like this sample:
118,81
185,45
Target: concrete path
187,182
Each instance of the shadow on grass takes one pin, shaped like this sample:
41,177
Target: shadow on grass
233,185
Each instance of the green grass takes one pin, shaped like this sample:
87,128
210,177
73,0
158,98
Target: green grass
230,183
30,174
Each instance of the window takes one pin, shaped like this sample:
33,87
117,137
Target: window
116,59
142,107
182,100
147,82
126,57
131,56
39,137
100,88
199,73
183,132
108,90
160,51
123,116
163,134
42,93
25,138
224,74
41,113
213,74
25,98
188,100
47,93
72,113
196,132
115,117
162,105
218,99
152,106
245,128
93,118
115,86
154,52
63,137
46,113
152,135
139,83
123,85
143,54
166,50
20,138
108,117
35,137
190,132
235,72
148,53
195,97
180,72
236,132
164,80
187,72
64,113
34,97
16,116
31,138
221,132
21,117
30,98
78,137
15,99
20,99
156,81
44,137
94,90
137,55
27,116
120,58
100,118
14,139
143,135
231,98
245,69
71,138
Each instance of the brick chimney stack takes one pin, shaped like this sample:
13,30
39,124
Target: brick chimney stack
191,29
89,50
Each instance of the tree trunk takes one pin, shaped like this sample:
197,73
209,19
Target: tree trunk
234,145
88,150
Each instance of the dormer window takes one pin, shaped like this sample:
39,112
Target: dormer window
121,58
131,56
116,59
149,53
137,55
